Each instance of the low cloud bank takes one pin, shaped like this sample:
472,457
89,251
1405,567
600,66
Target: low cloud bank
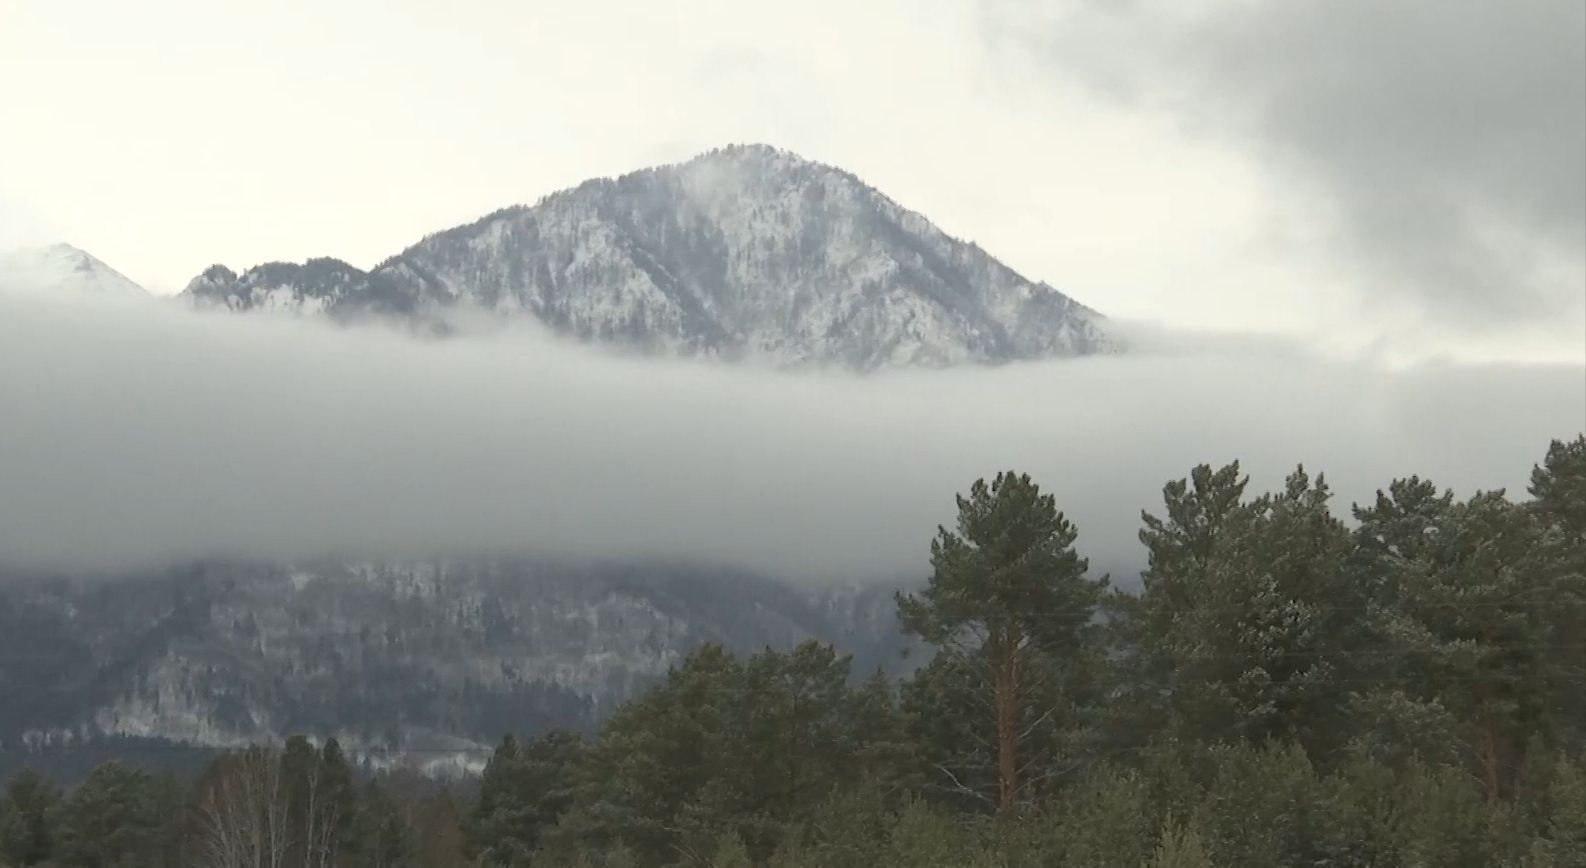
137,433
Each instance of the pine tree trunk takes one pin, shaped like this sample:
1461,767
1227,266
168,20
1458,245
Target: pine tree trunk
1489,753
1007,712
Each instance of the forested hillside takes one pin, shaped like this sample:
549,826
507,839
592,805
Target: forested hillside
388,658
1407,688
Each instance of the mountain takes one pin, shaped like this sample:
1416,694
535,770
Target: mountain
433,659
61,267
324,285
746,252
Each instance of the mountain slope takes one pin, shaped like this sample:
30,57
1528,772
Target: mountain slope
746,252
385,656
61,267
322,285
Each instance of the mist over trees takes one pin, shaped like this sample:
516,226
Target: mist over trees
1287,688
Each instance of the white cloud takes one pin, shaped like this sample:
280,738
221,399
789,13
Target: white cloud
141,432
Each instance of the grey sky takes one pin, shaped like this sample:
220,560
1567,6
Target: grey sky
137,432
1446,140
1403,181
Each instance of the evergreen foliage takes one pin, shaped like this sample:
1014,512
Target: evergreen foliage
1284,690
1011,609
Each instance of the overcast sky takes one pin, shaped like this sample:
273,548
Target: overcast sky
1403,179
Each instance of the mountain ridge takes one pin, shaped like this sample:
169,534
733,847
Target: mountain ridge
744,252
387,656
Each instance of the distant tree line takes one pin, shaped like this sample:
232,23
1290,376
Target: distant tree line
1285,689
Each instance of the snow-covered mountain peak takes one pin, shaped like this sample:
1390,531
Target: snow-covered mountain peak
57,267
744,252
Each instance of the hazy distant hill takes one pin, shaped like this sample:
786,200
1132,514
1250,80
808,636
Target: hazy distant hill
61,267
420,656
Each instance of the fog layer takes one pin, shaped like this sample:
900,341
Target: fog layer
138,433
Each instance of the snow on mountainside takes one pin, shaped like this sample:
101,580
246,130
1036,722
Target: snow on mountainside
746,252
61,267
321,285
386,656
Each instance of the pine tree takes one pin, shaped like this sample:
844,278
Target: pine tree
879,749
1201,513
1566,827
1466,628
658,758
379,836
1558,487
523,792
749,750
114,817
1246,625
1392,720
1180,847
1007,589
731,853
27,819
794,741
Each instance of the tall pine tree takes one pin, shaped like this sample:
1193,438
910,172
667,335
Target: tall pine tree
1007,593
